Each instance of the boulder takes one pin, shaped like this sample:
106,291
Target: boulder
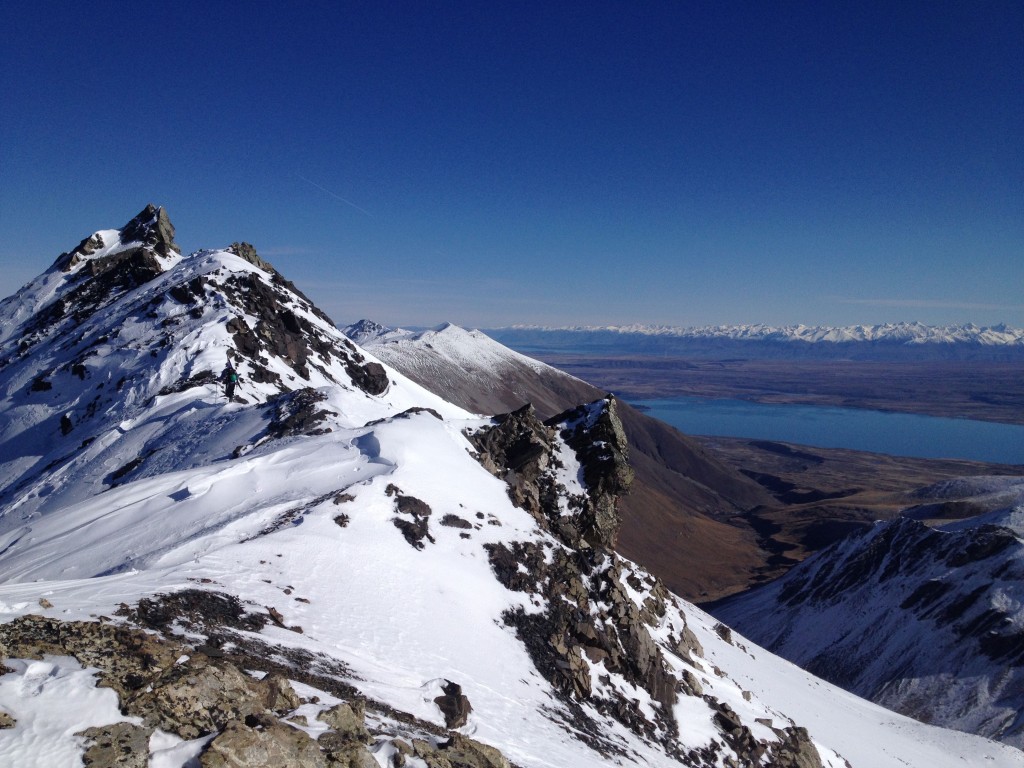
347,719
121,745
272,744
454,705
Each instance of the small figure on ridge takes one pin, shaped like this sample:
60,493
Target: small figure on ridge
230,379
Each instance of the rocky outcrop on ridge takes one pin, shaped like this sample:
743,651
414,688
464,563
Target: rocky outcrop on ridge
104,271
281,331
523,451
123,321
599,615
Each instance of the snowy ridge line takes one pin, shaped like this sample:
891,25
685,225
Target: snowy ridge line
902,333
454,343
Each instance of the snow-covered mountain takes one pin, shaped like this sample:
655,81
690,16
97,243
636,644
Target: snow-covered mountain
883,341
337,567
468,366
901,333
681,519
928,622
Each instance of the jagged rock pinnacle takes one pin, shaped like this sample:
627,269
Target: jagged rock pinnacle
152,227
248,252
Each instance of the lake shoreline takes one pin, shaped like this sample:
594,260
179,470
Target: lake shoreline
910,435
974,390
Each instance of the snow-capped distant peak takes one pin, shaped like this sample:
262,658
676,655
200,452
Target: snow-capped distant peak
901,333
366,330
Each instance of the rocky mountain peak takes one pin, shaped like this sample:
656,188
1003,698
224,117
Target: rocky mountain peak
153,228
365,329
150,232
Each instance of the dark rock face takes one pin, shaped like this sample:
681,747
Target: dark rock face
597,436
197,608
454,705
287,334
415,525
153,228
297,413
369,377
521,449
518,449
590,615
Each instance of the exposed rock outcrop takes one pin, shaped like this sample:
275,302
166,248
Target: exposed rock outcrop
257,742
595,433
598,614
522,450
197,690
299,413
121,745
454,705
282,329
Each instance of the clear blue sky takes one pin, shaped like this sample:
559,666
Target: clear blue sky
490,163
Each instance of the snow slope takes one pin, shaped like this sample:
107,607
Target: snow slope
348,505
926,621
487,376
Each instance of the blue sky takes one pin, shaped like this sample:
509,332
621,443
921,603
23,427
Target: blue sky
491,163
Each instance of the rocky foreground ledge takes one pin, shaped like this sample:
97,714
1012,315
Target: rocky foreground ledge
233,689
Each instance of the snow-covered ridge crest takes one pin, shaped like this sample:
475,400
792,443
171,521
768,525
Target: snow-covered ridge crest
454,343
141,248
105,365
902,333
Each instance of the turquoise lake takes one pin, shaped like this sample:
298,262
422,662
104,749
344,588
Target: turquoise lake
898,434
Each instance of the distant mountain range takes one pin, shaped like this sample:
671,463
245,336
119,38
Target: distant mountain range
884,341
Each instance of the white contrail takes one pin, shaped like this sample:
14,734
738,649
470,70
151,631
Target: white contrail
335,196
